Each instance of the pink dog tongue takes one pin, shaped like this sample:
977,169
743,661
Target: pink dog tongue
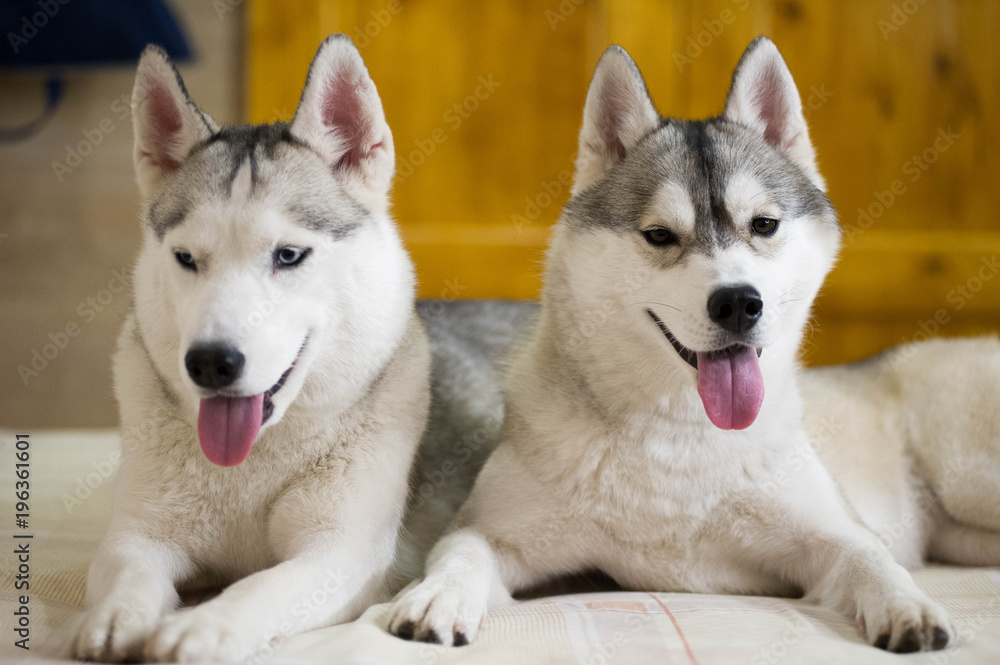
228,426
731,387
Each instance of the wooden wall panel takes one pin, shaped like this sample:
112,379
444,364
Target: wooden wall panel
883,88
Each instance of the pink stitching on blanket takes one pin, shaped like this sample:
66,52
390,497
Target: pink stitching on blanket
677,627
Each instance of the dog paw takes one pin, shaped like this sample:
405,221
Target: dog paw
438,613
199,634
113,631
907,624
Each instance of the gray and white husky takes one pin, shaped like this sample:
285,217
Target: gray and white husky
273,377
654,423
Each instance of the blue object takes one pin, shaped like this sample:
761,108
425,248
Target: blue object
47,33
54,34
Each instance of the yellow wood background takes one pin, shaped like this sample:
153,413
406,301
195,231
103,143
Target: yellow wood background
479,187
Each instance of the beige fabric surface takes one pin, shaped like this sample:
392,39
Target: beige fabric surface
70,507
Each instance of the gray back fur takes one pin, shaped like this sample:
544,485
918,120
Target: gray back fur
470,343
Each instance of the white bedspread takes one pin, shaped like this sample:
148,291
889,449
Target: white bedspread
71,503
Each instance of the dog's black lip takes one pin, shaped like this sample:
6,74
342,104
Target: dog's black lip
268,405
689,356
686,354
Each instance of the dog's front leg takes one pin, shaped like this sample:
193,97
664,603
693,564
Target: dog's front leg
509,535
862,579
323,583
807,537
129,588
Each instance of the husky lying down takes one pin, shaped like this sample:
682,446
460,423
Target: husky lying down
272,377
655,426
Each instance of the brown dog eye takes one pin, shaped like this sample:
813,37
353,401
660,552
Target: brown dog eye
764,226
659,237
186,260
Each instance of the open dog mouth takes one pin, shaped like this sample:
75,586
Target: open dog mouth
268,407
228,425
689,356
730,383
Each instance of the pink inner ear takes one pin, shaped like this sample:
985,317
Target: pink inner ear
773,107
613,108
343,111
164,124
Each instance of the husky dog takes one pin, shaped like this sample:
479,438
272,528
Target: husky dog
654,425
273,377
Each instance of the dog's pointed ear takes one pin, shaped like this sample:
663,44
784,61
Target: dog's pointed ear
618,113
763,97
340,115
167,123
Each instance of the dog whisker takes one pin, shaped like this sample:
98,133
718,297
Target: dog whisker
661,304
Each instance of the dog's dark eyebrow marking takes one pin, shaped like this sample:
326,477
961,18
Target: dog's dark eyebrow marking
713,224
254,171
243,142
238,158
165,215
240,143
325,221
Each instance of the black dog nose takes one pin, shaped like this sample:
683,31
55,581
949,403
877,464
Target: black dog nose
736,308
214,366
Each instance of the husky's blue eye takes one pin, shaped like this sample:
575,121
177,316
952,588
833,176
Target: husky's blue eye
764,226
660,237
286,257
185,259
